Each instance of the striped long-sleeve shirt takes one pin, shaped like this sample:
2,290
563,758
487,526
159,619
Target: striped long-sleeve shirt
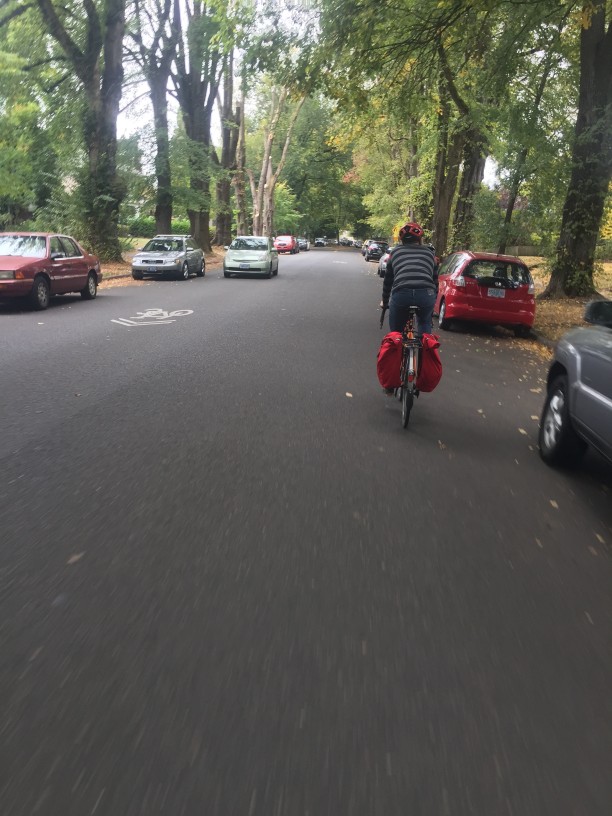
410,266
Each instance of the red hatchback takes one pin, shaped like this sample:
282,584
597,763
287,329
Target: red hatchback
286,243
486,288
37,265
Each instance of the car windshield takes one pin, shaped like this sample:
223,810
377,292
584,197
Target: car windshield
25,246
502,270
164,245
260,244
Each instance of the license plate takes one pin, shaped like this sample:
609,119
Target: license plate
151,269
244,266
500,293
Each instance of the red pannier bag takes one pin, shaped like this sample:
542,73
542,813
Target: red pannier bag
430,371
389,360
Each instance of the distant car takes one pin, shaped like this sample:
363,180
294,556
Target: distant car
578,407
320,242
486,288
303,244
366,244
358,244
176,255
38,265
382,264
375,250
251,255
286,243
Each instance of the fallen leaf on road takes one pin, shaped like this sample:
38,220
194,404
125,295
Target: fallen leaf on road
533,416
601,539
593,551
536,390
441,445
539,543
348,394
74,558
523,431
554,504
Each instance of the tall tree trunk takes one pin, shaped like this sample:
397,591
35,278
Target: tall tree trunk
474,157
163,195
229,143
448,157
155,59
198,73
239,181
278,104
572,273
100,70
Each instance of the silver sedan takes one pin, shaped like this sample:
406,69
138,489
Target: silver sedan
176,255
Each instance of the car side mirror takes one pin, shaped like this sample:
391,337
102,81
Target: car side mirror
226,248
599,313
56,256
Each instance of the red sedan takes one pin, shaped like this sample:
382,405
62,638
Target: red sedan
486,288
37,265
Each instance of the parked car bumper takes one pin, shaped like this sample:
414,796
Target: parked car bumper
15,288
252,268
520,315
157,270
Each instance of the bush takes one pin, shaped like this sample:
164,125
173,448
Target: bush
181,226
143,227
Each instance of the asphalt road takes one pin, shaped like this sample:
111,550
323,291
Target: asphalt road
232,585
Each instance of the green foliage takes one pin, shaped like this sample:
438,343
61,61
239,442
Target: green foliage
286,216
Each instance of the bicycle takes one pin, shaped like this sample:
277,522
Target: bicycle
409,368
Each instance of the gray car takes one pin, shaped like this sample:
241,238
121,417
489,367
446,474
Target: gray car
578,407
175,255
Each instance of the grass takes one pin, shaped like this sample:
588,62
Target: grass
555,317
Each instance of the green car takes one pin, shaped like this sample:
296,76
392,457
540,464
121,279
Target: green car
251,255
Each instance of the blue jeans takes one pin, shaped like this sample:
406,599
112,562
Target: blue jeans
401,299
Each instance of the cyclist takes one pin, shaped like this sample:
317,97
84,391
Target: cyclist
411,279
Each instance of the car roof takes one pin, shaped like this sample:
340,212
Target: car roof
170,236
33,234
488,256
265,237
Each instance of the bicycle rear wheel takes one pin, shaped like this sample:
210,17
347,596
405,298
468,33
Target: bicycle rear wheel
407,400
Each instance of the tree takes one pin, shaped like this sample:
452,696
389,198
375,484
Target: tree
94,52
230,130
572,273
156,42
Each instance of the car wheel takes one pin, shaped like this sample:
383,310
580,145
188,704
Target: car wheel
443,323
522,331
40,294
91,289
226,274
559,442
201,269
137,275
269,272
184,273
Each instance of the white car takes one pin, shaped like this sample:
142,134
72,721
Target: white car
251,255
304,244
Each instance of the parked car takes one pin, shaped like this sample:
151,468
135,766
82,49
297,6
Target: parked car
320,242
375,250
286,243
382,264
578,407
358,244
303,244
38,265
251,255
366,244
175,255
486,288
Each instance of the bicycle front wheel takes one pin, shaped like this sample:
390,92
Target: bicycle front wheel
407,400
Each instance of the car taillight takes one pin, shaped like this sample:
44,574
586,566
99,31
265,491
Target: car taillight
459,281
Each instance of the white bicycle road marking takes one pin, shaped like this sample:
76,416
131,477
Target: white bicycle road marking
152,317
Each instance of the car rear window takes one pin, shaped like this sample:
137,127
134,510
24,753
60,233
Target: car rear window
24,246
260,244
499,270
164,245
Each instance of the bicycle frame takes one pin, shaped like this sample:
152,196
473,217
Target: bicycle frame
411,350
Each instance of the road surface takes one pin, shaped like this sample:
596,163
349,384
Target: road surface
232,585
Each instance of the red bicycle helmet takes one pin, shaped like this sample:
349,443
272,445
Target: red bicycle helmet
412,229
